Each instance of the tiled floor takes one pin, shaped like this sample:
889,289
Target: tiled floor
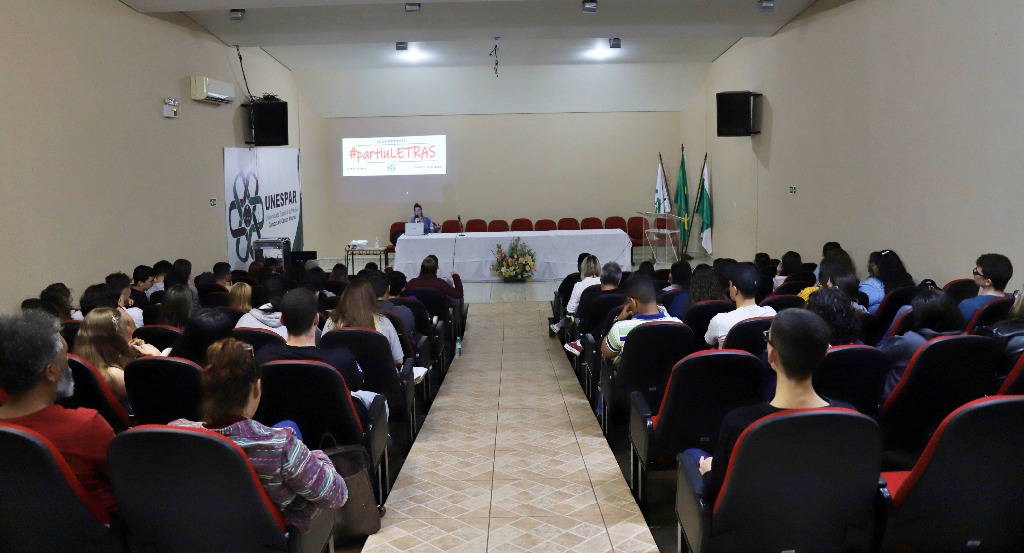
511,457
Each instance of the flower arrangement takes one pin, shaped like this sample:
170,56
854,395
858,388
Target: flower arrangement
516,262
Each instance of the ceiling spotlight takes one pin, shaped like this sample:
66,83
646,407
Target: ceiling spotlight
412,6
766,5
590,6
237,15
401,46
614,43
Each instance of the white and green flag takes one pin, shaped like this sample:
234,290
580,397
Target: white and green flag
704,207
661,201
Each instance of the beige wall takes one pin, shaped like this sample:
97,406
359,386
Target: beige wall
94,179
898,122
507,166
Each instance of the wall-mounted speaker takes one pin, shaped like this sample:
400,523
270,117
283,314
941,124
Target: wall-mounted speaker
267,123
738,113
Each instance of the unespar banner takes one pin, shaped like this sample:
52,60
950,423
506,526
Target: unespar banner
262,198
394,155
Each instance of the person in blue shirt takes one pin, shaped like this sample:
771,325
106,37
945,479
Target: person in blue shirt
419,217
992,272
886,273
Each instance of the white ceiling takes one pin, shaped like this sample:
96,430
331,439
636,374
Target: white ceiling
323,40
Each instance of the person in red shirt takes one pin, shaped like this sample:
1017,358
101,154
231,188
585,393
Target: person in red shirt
428,279
34,372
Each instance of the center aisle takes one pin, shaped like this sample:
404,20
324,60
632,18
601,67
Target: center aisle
511,457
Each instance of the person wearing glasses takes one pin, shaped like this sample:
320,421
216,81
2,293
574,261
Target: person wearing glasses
886,273
797,342
299,481
992,271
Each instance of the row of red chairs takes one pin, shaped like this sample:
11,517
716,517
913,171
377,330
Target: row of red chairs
634,226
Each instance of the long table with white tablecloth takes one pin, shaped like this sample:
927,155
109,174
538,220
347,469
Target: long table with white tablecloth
473,253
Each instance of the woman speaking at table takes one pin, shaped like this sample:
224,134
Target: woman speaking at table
419,217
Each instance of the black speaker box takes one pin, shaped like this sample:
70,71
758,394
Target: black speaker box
268,123
738,113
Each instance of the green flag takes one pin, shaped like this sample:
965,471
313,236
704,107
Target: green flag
704,207
683,201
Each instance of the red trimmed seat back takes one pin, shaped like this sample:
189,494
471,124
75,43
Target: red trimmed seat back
649,352
163,389
92,392
635,228
699,316
791,288
989,313
778,302
397,229
801,276
160,336
44,506
545,224
1014,382
748,335
191,489
233,313
961,289
591,223
854,374
522,224
967,487
497,225
701,390
944,374
372,351
892,302
801,480
257,337
476,225
615,222
568,223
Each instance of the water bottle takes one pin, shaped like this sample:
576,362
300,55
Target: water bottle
458,347
376,243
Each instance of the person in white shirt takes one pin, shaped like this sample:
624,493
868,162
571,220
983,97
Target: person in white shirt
744,279
590,275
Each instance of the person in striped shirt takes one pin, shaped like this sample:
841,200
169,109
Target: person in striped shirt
641,306
299,481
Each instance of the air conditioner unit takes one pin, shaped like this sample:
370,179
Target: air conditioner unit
205,89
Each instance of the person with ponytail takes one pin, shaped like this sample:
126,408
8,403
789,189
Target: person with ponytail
299,481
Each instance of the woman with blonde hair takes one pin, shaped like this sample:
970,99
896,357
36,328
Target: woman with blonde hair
299,481
240,296
105,340
358,307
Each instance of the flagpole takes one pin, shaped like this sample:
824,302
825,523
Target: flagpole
700,186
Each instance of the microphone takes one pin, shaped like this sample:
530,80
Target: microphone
459,217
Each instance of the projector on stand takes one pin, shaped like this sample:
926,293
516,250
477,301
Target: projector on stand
358,244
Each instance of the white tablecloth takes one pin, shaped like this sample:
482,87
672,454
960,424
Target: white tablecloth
472,255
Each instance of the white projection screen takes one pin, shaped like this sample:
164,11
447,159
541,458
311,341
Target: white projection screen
394,156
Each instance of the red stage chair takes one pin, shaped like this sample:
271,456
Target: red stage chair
522,224
476,225
497,225
591,223
568,223
545,224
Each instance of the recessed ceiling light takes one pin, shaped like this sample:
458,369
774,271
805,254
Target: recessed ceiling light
412,6
413,54
614,43
401,46
766,5
236,15
590,6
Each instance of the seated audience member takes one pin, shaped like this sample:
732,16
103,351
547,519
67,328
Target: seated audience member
704,285
428,279
183,268
268,315
240,296
646,268
850,285
379,282
797,342
94,297
723,268
222,274
887,273
590,275
119,286
681,274
790,263
37,304
641,306
762,260
396,283
826,251
834,307
61,296
257,270
371,266
744,280
142,281
991,273
1010,332
34,372
160,270
610,278
339,273
828,270
299,481
300,316
176,307
202,330
358,307
105,340
932,314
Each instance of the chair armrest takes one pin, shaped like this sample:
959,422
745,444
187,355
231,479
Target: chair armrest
690,505
321,528
885,513
640,425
